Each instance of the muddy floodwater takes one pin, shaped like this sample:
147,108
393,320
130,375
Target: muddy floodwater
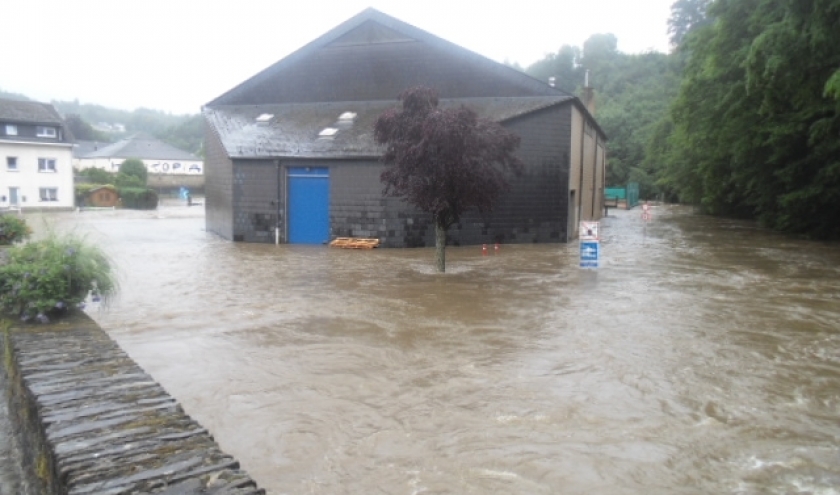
702,357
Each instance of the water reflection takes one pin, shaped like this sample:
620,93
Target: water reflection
702,358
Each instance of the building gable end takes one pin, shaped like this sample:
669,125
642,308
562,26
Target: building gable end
368,33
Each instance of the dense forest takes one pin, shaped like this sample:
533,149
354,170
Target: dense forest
741,117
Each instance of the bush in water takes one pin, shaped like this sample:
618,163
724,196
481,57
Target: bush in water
138,198
53,276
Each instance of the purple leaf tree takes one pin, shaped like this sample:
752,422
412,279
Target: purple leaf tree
444,161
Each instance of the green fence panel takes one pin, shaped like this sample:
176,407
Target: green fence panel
632,194
615,192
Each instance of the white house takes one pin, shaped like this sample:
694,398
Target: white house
36,154
159,157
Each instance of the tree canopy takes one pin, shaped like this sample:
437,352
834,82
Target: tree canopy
632,94
686,16
756,126
444,161
132,173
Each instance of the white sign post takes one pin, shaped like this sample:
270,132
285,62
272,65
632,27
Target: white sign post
646,212
590,245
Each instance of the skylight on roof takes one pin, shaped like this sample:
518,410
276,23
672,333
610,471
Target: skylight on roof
327,132
265,117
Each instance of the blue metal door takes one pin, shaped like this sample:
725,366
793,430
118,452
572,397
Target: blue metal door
309,205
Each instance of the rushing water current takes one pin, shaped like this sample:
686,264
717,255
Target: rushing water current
703,356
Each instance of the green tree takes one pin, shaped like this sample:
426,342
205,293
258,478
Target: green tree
444,161
563,66
600,53
756,121
632,94
187,134
132,173
686,16
83,131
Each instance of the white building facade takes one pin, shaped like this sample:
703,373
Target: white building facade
36,155
159,157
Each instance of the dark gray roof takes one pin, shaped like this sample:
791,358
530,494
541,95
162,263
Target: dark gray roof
30,112
82,148
143,147
373,56
294,129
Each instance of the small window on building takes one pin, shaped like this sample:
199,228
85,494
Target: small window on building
48,194
46,164
43,131
11,163
11,130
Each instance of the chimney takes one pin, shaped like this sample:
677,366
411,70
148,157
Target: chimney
588,95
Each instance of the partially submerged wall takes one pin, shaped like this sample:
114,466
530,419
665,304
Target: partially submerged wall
90,420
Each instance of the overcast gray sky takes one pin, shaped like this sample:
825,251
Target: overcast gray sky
176,55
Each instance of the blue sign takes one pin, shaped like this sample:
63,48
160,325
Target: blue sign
590,252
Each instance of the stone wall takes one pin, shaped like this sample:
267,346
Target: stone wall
90,420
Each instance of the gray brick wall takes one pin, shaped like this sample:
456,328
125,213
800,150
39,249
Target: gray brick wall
218,186
255,199
533,211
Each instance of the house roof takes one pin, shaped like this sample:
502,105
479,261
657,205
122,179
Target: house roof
82,148
294,130
30,112
373,56
142,147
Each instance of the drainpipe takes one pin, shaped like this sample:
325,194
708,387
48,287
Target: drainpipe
595,168
582,154
277,225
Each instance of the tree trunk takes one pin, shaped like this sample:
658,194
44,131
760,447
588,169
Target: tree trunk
440,247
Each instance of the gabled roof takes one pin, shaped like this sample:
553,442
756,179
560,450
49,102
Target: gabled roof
373,56
142,147
29,112
294,130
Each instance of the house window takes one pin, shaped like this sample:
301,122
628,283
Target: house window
11,163
11,130
46,164
48,132
48,194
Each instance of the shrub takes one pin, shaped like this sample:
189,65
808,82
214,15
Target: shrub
129,181
138,198
134,167
13,229
98,175
53,276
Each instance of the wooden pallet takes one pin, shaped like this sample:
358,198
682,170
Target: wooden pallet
354,243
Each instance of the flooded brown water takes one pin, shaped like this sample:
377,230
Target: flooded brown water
702,357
